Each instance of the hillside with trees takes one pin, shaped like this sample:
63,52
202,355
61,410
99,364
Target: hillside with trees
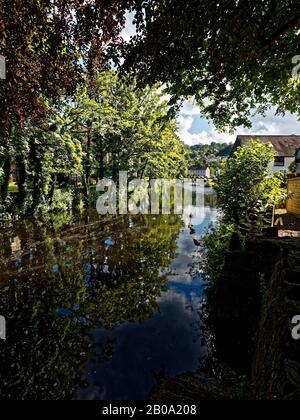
208,155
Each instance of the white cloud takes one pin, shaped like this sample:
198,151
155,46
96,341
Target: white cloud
190,108
275,124
203,137
185,121
268,125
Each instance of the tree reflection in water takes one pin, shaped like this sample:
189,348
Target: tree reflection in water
63,277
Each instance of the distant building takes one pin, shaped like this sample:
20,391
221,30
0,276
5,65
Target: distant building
199,172
285,147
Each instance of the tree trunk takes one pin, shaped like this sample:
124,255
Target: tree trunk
101,161
87,173
22,178
86,192
4,187
115,167
38,184
101,168
52,189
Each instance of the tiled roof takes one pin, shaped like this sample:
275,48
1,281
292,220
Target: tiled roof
284,145
197,168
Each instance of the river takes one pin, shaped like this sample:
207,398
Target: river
100,308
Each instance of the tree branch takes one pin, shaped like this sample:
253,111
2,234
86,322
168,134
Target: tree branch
270,42
271,11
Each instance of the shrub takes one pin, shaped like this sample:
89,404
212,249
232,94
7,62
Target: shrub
62,201
216,243
246,179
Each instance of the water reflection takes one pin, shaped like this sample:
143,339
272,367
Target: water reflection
97,308
162,345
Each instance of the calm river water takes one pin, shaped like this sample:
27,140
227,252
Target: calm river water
99,308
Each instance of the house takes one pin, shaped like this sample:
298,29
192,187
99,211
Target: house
285,147
199,172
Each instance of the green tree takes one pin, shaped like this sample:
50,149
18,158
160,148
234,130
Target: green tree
107,126
124,126
293,168
48,46
245,179
232,56
43,159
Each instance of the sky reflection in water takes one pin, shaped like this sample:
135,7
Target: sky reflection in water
169,343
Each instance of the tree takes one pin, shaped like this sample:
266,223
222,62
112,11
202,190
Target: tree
43,158
47,46
108,125
246,179
232,56
113,118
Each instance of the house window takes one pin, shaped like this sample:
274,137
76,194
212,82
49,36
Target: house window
279,161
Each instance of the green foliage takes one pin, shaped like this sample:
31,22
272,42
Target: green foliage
235,58
274,190
212,172
12,188
208,155
48,47
246,179
126,126
109,125
43,159
213,149
62,201
293,167
216,243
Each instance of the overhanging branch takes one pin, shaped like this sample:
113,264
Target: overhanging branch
270,42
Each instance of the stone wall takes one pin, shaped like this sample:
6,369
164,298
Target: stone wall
276,362
255,302
293,204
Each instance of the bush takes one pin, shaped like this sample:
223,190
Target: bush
293,168
216,243
62,201
246,179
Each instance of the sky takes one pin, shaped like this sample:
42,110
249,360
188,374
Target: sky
193,129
